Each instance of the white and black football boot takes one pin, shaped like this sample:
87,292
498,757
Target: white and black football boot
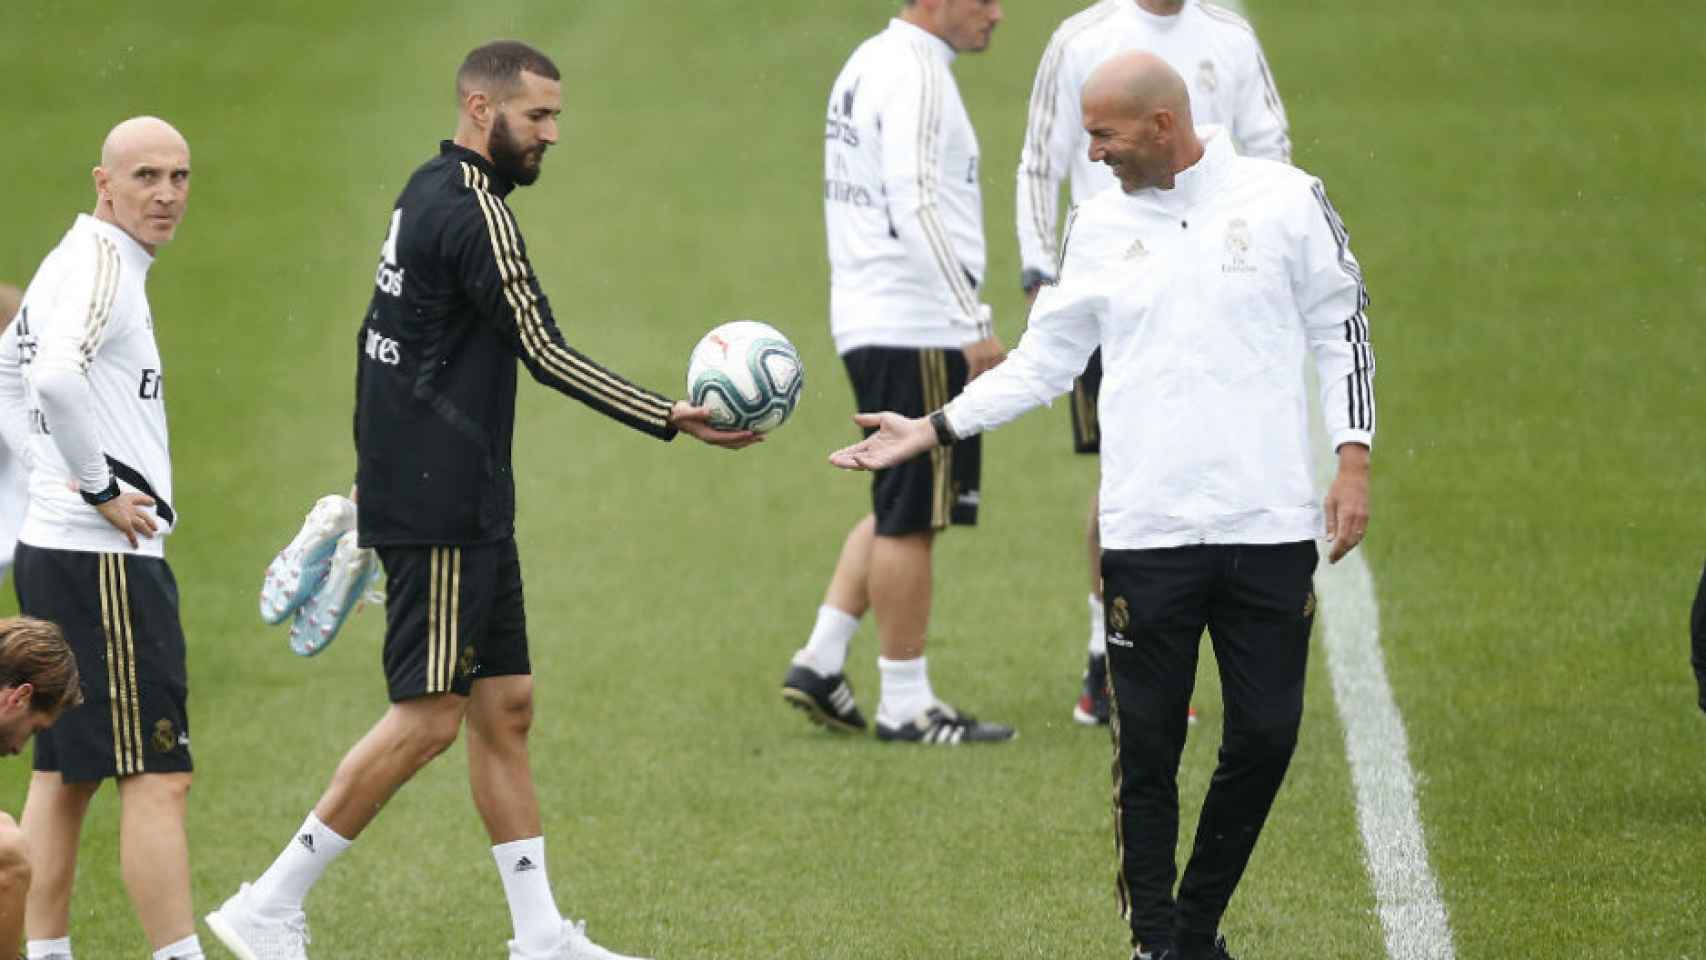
827,701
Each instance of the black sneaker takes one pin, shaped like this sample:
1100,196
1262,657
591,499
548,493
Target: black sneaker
1203,950
828,701
1092,707
1158,953
943,724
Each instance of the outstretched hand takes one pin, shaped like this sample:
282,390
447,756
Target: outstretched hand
696,422
897,440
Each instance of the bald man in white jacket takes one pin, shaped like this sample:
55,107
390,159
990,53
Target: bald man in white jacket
1206,280
1217,53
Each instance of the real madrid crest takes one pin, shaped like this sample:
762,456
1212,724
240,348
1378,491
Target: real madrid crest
1237,247
1119,615
1205,76
165,738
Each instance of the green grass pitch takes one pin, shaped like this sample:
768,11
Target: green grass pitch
1525,184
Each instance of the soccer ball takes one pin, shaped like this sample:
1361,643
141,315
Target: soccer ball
748,374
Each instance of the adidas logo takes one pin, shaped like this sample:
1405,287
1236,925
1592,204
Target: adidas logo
307,841
524,864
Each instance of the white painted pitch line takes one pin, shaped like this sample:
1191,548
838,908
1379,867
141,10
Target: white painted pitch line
1412,915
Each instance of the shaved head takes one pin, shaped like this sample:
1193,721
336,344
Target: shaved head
1140,82
1137,112
143,183
140,134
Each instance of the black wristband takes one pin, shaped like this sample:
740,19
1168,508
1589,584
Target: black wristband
96,499
944,433
1032,280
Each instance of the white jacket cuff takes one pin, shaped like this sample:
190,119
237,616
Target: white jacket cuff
1347,435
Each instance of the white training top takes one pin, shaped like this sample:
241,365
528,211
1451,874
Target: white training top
1204,299
1212,48
14,499
900,198
80,390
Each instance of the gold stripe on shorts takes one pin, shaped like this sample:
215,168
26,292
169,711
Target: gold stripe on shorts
444,607
126,700
934,372
432,624
109,633
452,633
128,623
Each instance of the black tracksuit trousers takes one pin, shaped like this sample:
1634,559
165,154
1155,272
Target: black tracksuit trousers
1258,603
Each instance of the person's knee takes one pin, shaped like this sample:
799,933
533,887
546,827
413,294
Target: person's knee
160,790
14,860
431,725
1264,740
509,711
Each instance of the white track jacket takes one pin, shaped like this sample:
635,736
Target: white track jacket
1212,48
81,393
901,200
1204,299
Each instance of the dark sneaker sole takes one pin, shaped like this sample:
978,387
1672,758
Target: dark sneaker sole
803,701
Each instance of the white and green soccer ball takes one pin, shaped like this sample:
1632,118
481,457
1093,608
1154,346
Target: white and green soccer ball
748,374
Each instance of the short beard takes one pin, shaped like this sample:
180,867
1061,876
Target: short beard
509,159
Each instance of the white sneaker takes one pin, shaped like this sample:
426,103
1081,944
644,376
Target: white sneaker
297,571
349,575
573,945
253,937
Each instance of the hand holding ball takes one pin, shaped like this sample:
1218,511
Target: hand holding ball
748,374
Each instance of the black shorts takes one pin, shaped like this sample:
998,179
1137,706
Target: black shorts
118,611
928,492
1086,424
453,615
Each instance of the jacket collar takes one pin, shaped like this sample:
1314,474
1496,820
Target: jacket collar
936,44
1194,183
499,184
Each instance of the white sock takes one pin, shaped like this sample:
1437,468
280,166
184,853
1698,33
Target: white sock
826,651
280,891
40,949
189,948
906,690
532,908
1098,628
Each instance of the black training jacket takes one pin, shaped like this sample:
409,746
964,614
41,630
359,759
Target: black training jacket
455,304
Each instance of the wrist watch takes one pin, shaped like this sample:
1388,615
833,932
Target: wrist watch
103,495
1032,279
944,433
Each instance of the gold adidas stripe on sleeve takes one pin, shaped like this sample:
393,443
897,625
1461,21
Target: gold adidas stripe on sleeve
929,160
1044,110
601,385
103,293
